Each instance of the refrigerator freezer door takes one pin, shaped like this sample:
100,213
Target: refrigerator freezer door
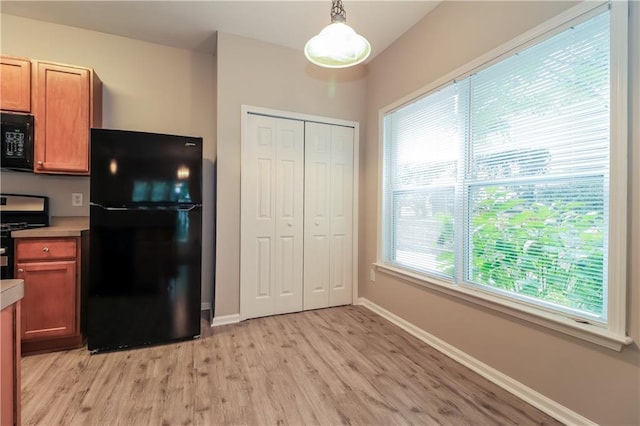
145,277
137,168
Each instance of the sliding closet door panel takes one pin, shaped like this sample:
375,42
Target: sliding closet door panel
328,215
289,216
257,275
341,217
271,217
317,226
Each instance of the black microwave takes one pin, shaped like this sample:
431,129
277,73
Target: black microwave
17,141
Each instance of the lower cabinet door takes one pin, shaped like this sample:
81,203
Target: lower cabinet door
10,366
50,299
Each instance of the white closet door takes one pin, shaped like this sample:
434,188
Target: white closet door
328,259
341,256
271,259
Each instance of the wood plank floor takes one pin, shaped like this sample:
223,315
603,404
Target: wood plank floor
333,366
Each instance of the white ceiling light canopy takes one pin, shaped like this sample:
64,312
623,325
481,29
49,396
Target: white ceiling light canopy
337,45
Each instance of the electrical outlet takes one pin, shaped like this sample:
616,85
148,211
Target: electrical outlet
372,275
76,199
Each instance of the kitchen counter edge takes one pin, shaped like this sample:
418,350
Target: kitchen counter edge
64,226
11,291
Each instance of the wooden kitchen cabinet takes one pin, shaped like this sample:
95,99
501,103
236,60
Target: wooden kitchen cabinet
10,365
67,103
15,84
50,268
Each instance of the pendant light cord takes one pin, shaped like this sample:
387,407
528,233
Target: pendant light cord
337,11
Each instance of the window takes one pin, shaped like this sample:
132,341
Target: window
499,182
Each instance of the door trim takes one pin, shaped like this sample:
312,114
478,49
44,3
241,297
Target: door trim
249,109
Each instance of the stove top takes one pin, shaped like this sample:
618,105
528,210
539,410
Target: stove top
13,226
22,211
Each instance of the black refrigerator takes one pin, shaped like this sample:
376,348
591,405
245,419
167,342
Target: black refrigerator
145,239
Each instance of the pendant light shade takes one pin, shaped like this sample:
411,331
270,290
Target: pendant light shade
337,45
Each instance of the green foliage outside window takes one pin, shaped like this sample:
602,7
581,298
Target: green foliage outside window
548,249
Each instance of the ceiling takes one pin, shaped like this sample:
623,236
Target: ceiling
193,24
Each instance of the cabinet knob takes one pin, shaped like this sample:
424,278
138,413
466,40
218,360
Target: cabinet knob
20,270
289,224
39,163
45,249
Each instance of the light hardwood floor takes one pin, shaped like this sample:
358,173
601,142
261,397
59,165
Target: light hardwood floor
333,366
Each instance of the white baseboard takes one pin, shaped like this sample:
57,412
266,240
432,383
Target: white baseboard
225,320
205,306
518,389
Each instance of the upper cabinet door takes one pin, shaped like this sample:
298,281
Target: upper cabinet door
64,113
15,84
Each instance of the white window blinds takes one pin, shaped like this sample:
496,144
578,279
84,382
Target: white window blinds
500,181
421,173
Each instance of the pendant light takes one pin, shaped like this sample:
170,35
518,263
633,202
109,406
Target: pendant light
337,45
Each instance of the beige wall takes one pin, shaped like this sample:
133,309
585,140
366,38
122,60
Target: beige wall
264,75
147,87
598,383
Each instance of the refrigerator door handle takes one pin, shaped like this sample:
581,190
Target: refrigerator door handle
109,208
186,208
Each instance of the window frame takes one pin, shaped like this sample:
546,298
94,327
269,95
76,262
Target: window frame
612,334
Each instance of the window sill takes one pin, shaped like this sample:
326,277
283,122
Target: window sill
589,332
